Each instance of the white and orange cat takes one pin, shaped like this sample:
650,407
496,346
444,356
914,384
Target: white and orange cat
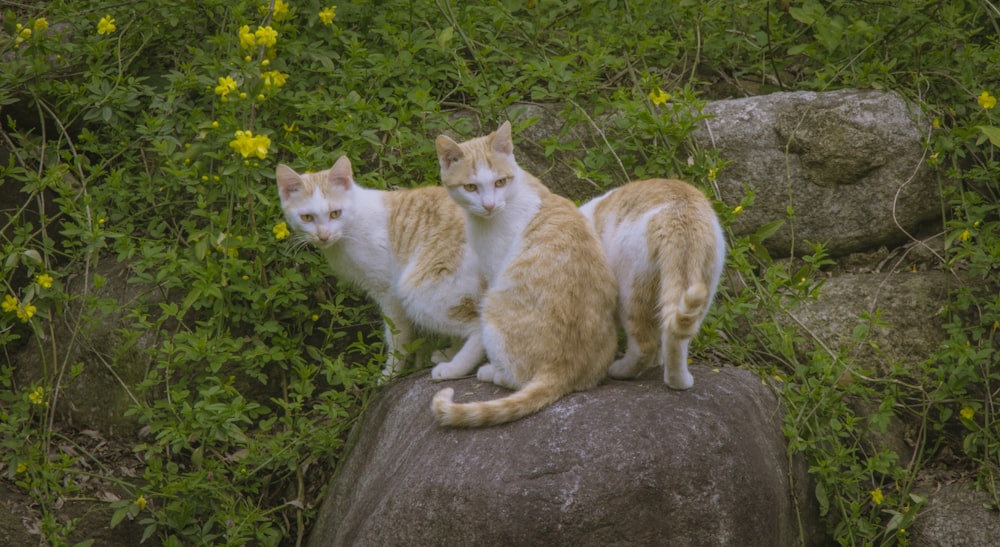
548,312
665,245
405,248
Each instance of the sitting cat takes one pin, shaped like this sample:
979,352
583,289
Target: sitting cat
406,249
548,312
665,245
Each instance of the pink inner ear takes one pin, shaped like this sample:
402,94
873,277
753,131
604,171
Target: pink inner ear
448,151
288,182
502,142
341,174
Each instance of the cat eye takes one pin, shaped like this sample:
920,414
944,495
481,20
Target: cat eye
500,183
470,187
335,214
306,218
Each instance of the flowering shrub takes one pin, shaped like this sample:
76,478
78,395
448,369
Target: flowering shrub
148,133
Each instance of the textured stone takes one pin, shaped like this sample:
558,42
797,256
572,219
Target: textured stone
849,163
627,463
956,515
907,302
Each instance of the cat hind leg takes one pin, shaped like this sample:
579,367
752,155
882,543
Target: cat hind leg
641,329
674,355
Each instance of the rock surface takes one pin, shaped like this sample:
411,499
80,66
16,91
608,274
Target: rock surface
849,163
907,302
628,463
955,515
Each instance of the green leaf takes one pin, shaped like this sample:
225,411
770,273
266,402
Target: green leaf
767,230
823,499
445,37
119,516
992,133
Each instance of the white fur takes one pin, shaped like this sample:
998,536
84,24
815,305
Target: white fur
626,247
356,246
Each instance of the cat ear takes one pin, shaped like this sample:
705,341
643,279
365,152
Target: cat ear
502,142
289,181
448,151
341,174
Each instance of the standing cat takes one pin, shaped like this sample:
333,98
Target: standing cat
548,312
406,249
665,245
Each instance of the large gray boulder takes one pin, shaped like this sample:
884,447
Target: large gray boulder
628,463
849,164
907,305
956,514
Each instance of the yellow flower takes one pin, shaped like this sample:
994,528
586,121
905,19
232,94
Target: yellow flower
274,78
248,145
280,10
965,235
659,96
315,317
106,25
226,86
967,413
37,397
986,100
877,496
44,281
281,231
40,24
247,38
10,303
26,312
936,123
266,36
327,15
23,33
712,173
141,502
738,210
22,467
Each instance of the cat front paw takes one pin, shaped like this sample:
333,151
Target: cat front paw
448,370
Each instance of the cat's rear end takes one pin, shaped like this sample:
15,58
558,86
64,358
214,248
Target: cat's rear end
665,245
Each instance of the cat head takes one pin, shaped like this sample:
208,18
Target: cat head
315,204
479,173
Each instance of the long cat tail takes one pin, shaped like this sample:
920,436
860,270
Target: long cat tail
534,396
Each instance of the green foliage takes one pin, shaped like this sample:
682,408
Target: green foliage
152,140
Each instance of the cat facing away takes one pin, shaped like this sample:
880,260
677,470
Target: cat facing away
548,312
406,249
665,245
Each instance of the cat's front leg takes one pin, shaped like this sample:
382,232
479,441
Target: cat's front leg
464,362
398,334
